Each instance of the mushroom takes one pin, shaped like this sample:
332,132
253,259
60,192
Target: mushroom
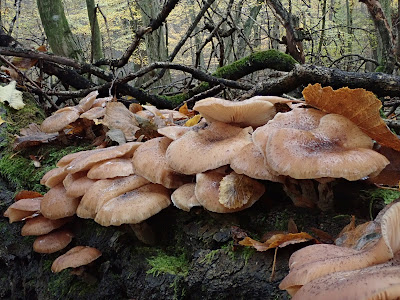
104,190
184,197
41,225
60,119
22,209
75,257
114,167
53,241
149,161
250,112
316,261
213,146
77,184
56,204
54,177
207,192
135,206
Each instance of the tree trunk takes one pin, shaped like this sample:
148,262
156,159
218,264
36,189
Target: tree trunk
96,49
248,27
55,24
321,40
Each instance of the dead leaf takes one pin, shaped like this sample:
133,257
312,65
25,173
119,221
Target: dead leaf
360,106
185,110
11,95
390,175
292,227
193,121
119,117
32,136
2,121
24,63
322,236
278,240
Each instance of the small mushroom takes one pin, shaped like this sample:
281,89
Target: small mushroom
60,119
77,184
184,197
53,241
22,209
250,112
135,206
111,168
54,177
41,225
213,146
75,257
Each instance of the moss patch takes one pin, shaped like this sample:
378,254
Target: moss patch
163,263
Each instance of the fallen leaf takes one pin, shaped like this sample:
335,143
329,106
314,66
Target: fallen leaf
193,121
11,95
119,117
185,110
2,121
32,136
322,236
390,175
358,105
277,240
24,63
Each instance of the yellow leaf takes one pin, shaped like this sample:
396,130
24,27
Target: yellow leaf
1,120
193,121
11,95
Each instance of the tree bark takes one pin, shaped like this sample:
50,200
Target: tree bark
95,41
58,33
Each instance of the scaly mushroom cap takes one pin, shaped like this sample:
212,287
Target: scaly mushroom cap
89,159
250,112
336,148
53,241
208,194
77,184
250,161
135,206
59,120
212,147
316,261
376,282
75,257
184,197
104,190
56,204
41,225
149,161
54,177
23,208
114,167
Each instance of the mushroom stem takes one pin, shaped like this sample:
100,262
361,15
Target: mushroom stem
144,233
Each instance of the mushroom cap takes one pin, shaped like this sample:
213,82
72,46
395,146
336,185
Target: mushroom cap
90,158
236,190
53,241
94,113
213,146
111,168
184,197
41,225
119,117
104,190
22,209
101,102
56,204
54,177
251,162
250,112
77,184
175,132
135,206
390,225
207,192
273,99
86,103
59,120
336,148
376,282
149,161
75,257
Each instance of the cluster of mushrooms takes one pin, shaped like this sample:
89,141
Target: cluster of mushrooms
221,163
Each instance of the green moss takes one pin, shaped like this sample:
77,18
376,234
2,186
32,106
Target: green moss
380,69
163,263
63,285
209,257
387,195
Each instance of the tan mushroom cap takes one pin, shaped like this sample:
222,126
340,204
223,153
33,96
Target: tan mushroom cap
94,113
86,103
53,241
305,267
101,102
236,190
376,282
273,99
77,184
175,132
104,190
22,209
54,177
250,161
150,162
250,112
57,205
65,160
207,192
41,225
299,118
135,206
208,148
89,159
75,257
59,120
111,168
336,148
184,197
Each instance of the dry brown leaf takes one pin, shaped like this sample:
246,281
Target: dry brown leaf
24,63
360,106
277,240
32,136
322,236
390,175
119,117
185,110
